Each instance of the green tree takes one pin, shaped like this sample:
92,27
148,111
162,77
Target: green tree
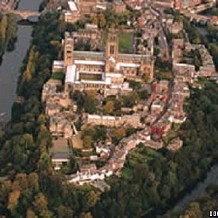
87,142
63,211
3,29
30,214
109,107
41,206
117,134
193,211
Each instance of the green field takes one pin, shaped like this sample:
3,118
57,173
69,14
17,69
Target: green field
125,42
58,76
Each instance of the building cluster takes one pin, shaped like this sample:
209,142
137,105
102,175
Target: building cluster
77,9
158,97
134,4
90,36
60,122
182,4
167,106
115,121
192,9
147,23
56,104
88,173
6,5
82,178
214,20
105,71
149,136
198,5
187,74
203,5
54,98
188,71
60,152
207,69
174,27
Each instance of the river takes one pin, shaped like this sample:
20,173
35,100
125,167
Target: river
9,73
198,191
12,61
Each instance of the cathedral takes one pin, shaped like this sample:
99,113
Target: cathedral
105,71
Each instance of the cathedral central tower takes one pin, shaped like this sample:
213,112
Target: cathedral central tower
111,52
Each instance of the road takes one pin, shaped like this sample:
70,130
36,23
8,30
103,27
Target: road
164,47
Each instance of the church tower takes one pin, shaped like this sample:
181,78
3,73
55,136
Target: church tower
68,50
111,52
146,69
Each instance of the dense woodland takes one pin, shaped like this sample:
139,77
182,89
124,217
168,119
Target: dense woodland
150,181
8,32
201,207
33,189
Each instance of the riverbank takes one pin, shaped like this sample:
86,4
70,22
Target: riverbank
205,206
8,32
192,193
9,73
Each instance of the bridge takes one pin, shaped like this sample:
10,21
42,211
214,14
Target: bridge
24,14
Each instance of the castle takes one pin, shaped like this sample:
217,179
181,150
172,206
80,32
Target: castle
104,71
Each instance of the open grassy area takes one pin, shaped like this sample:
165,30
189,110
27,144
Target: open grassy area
125,42
58,76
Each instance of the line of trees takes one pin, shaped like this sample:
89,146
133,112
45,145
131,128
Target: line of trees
8,32
31,187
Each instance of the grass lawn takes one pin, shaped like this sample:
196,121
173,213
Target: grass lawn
58,76
125,42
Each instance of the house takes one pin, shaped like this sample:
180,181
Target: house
175,28
113,121
87,168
